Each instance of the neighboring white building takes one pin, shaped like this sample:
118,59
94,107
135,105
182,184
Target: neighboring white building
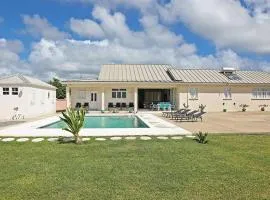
142,85
25,97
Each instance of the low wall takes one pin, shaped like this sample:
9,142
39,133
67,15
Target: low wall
61,105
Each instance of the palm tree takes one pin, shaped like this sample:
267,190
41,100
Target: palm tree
74,120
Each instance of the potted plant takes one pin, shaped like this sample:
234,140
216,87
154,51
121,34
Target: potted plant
263,107
202,107
224,109
185,105
244,107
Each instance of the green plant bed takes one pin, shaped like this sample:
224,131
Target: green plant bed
228,167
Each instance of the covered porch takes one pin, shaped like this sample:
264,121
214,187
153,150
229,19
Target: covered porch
137,97
156,99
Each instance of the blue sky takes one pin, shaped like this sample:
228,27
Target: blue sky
74,37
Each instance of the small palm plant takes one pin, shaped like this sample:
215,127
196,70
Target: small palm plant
74,120
202,107
201,137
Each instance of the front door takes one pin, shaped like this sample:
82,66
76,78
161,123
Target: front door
93,101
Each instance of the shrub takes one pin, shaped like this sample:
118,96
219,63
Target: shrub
202,107
244,107
201,137
185,105
263,107
74,120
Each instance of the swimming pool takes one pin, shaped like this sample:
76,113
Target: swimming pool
105,122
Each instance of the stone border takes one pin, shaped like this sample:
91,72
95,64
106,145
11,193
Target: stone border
69,139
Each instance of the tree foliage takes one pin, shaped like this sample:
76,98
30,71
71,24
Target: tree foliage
61,89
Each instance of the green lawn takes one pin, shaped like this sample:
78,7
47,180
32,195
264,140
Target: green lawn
229,167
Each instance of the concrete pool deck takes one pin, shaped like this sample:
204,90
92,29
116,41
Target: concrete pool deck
157,126
228,123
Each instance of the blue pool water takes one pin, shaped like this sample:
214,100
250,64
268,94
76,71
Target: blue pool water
105,122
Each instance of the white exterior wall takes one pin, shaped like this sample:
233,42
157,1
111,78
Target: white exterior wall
210,95
213,98
33,102
108,96
75,96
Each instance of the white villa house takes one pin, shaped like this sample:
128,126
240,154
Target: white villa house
143,86
25,97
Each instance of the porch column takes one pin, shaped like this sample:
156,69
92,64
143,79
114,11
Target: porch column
135,99
178,98
102,100
68,97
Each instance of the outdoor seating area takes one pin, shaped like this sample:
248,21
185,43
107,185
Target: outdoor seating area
161,106
184,115
79,105
120,106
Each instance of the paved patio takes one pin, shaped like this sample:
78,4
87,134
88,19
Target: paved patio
230,122
157,127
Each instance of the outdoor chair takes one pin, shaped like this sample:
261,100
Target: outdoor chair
169,113
197,116
172,106
86,106
131,105
123,106
181,112
155,107
186,116
78,105
118,105
110,105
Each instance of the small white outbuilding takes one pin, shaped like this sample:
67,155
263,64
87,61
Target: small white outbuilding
23,97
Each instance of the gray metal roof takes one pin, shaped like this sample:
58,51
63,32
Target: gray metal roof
252,77
167,74
197,76
23,80
134,73
214,76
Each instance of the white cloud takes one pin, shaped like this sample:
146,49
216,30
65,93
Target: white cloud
40,27
83,58
141,4
259,9
111,40
71,58
114,28
86,28
227,23
10,61
14,46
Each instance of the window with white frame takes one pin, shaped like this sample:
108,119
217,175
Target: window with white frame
261,93
5,91
82,94
119,93
227,93
15,91
193,93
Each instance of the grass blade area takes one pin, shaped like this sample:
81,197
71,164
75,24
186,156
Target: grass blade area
229,167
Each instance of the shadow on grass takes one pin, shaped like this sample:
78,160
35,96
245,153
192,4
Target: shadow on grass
66,140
